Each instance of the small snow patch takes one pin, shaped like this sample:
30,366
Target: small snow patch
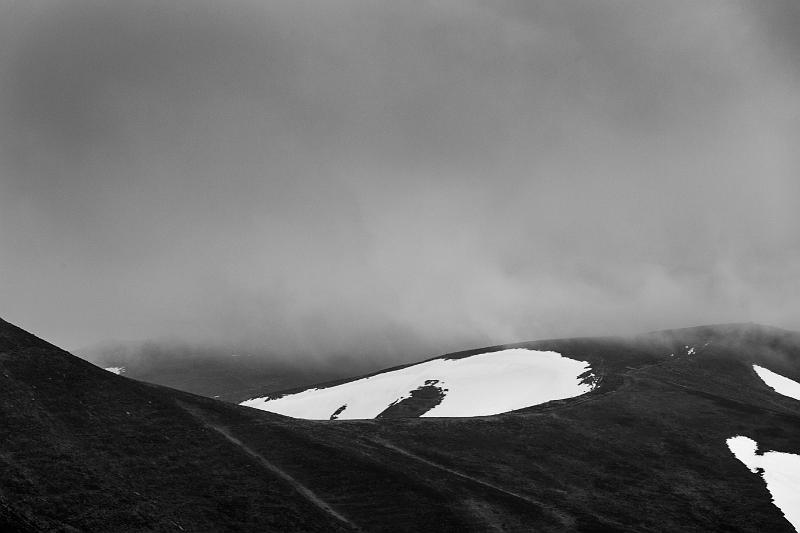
780,384
780,471
115,369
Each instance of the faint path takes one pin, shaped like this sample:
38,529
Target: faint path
296,485
538,505
449,470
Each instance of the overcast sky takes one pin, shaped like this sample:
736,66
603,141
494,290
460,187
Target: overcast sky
396,178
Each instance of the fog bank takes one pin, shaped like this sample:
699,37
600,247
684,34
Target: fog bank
394,180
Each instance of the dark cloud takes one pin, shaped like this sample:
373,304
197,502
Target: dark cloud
395,179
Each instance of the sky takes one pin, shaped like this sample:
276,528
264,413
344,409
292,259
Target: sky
396,179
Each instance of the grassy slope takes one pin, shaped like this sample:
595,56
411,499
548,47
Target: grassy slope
83,449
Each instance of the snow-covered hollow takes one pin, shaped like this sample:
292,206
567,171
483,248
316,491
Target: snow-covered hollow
115,369
780,471
483,384
780,384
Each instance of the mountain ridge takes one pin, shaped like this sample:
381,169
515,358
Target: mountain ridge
82,449
716,328
606,359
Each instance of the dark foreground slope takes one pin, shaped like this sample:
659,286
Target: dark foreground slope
84,450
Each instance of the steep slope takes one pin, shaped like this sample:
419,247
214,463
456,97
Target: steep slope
82,449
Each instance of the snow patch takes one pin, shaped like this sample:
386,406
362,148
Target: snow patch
780,384
115,369
780,471
483,384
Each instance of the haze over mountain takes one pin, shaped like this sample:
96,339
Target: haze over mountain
219,371
393,180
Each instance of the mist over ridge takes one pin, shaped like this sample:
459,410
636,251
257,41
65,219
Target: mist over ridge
396,180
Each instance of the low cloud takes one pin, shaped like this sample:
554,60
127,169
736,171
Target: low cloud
391,181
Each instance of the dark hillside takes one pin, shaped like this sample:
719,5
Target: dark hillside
84,450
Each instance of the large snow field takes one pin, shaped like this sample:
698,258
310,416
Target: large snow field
781,473
780,384
483,384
